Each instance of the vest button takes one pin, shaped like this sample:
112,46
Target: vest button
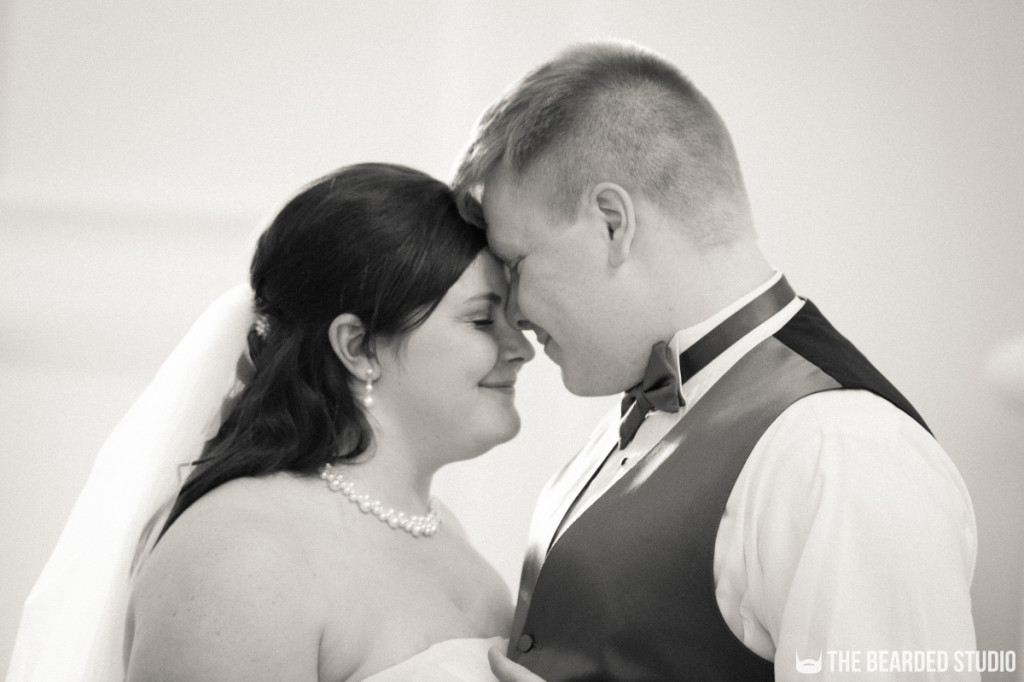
525,643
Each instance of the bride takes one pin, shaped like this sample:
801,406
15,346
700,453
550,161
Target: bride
305,544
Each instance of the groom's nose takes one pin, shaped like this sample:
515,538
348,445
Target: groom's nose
512,313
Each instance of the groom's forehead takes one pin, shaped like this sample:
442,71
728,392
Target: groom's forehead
500,243
505,212
513,205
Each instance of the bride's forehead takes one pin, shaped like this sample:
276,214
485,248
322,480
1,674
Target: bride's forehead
484,278
486,267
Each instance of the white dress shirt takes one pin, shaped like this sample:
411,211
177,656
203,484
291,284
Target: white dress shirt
848,530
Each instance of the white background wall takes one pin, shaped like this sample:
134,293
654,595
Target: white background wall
141,142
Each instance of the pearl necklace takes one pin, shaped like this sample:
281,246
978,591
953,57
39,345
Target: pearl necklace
416,525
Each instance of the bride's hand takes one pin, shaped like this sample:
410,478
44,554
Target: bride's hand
508,671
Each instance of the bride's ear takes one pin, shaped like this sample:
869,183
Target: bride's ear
348,340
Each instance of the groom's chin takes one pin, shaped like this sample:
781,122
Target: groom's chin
585,384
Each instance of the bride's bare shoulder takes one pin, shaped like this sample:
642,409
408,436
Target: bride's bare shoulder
243,524
230,580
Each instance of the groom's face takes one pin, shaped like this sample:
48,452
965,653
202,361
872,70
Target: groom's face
560,285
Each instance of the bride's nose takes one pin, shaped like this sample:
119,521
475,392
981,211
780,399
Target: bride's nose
513,344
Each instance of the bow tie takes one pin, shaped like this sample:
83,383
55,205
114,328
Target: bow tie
659,390
660,387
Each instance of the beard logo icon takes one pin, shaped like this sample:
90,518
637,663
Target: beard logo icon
808,666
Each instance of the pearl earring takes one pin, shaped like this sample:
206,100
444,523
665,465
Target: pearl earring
367,398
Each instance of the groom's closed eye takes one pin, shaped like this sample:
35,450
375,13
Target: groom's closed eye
512,268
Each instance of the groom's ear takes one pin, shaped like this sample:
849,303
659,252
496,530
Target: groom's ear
348,340
616,207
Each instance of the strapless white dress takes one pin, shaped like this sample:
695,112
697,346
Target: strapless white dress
454,660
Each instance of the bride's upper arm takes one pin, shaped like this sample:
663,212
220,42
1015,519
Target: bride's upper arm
223,597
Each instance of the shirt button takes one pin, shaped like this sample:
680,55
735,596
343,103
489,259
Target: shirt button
525,643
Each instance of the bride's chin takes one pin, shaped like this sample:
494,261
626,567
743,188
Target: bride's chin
510,430
513,429
503,432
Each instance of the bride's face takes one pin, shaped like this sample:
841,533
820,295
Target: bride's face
447,388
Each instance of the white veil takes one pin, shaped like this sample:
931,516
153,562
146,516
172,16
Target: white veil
72,626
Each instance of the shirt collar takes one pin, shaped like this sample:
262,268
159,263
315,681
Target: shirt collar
685,338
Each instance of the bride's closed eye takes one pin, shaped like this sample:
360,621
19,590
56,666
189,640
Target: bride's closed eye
483,312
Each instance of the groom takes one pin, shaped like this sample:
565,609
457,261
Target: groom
766,499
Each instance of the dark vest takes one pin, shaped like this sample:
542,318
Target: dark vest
628,592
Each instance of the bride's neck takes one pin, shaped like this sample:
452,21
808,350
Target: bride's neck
395,476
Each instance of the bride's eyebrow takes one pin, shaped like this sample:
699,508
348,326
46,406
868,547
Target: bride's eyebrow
489,297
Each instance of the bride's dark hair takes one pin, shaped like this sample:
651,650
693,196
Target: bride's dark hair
382,242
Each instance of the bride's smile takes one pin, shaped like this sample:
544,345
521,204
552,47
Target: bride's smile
447,384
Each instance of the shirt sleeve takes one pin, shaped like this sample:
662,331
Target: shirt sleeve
849,536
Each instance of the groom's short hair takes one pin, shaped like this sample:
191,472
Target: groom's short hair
608,111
